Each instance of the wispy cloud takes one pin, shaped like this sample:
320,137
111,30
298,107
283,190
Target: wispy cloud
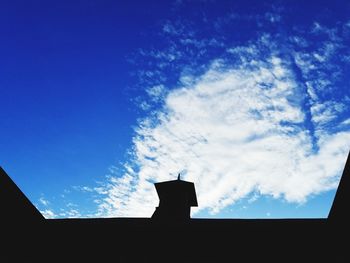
43,201
48,214
325,112
346,122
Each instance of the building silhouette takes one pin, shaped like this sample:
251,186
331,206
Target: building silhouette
26,236
14,204
176,198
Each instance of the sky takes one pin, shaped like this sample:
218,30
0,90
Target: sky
247,99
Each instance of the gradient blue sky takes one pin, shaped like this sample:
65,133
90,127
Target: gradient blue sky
249,99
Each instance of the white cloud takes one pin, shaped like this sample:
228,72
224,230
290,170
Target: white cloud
321,29
156,92
299,41
48,214
253,198
326,111
273,18
346,122
173,28
311,91
43,201
236,131
72,213
305,62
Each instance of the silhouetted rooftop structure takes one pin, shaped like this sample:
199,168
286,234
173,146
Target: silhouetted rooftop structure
176,198
201,239
15,204
339,211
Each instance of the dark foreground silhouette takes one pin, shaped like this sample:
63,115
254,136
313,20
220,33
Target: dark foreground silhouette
175,200
171,236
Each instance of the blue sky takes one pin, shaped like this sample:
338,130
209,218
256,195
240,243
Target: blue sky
248,99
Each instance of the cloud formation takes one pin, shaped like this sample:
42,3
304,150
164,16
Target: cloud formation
235,130
258,117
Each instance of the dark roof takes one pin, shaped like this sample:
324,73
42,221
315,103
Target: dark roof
14,204
178,185
340,207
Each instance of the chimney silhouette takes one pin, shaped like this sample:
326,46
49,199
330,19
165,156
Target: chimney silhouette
175,200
